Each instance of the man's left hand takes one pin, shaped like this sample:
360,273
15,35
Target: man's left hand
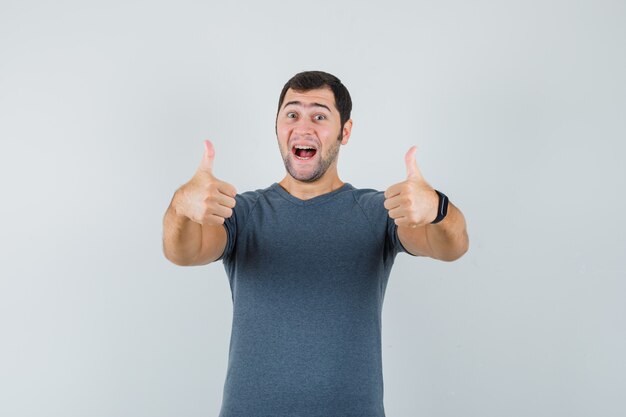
413,202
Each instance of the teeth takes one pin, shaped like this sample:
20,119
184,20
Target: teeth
304,147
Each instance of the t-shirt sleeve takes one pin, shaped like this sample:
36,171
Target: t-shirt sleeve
244,203
392,235
373,204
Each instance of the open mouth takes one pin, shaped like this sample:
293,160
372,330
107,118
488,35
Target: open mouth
304,151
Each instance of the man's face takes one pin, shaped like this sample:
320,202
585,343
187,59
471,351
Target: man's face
308,129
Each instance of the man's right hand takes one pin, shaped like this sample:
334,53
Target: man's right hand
205,199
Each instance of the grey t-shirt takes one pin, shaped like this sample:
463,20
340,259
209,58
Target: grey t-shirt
308,280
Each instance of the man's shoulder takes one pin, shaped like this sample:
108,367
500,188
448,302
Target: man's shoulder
368,195
253,195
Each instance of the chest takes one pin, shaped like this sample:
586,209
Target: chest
307,234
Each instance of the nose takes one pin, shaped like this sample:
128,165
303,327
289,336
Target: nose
303,126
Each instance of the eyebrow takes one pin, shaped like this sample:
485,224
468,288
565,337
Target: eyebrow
299,103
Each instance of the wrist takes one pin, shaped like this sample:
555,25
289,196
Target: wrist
177,202
442,207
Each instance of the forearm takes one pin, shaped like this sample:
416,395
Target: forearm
182,237
448,239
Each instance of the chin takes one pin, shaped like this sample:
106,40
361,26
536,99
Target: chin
306,177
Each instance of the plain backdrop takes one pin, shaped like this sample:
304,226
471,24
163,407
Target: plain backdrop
519,112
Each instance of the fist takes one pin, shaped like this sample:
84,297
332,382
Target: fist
413,202
205,199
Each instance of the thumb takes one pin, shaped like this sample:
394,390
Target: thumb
412,171
206,164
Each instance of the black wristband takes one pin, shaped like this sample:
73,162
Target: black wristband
442,209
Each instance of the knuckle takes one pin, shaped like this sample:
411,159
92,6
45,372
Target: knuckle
206,205
212,187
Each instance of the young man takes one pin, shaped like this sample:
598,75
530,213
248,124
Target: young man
308,261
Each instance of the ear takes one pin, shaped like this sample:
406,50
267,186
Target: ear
347,130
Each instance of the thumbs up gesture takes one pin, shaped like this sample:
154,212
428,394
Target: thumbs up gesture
412,202
205,199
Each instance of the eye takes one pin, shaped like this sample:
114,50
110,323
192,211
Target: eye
291,115
320,117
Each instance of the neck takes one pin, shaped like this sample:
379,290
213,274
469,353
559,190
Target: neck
306,190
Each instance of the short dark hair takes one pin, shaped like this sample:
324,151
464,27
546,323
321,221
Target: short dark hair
310,80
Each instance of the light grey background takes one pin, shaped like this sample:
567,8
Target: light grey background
518,109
